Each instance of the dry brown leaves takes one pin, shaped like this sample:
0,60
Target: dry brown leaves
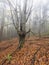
26,54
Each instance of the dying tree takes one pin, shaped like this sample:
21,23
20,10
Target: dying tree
22,16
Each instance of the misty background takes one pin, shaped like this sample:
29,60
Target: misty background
38,21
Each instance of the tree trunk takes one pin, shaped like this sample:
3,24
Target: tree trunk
21,39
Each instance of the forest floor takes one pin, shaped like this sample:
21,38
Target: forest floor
34,52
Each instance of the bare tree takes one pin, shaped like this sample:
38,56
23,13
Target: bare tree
44,18
2,25
22,16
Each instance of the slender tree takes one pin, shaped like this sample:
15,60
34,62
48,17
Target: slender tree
2,24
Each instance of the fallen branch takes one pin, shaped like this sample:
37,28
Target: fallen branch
4,48
5,59
34,56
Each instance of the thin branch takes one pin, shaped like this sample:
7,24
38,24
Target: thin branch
28,31
30,11
33,33
10,4
12,16
20,12
16,14
25,7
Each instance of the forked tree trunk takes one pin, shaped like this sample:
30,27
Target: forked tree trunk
22,36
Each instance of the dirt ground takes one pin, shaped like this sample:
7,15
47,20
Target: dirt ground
34,52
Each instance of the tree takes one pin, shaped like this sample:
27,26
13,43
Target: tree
2,24
22,16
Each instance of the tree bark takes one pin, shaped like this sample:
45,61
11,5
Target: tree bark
22,35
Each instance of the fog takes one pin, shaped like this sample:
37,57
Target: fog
14,13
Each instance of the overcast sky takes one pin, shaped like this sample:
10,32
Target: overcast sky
36,2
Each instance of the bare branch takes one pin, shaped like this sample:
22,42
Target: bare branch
25,7
10,4
30,11
28,31
20,12
12,16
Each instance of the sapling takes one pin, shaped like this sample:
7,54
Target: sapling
9,57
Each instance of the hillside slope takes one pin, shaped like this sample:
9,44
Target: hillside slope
34,52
